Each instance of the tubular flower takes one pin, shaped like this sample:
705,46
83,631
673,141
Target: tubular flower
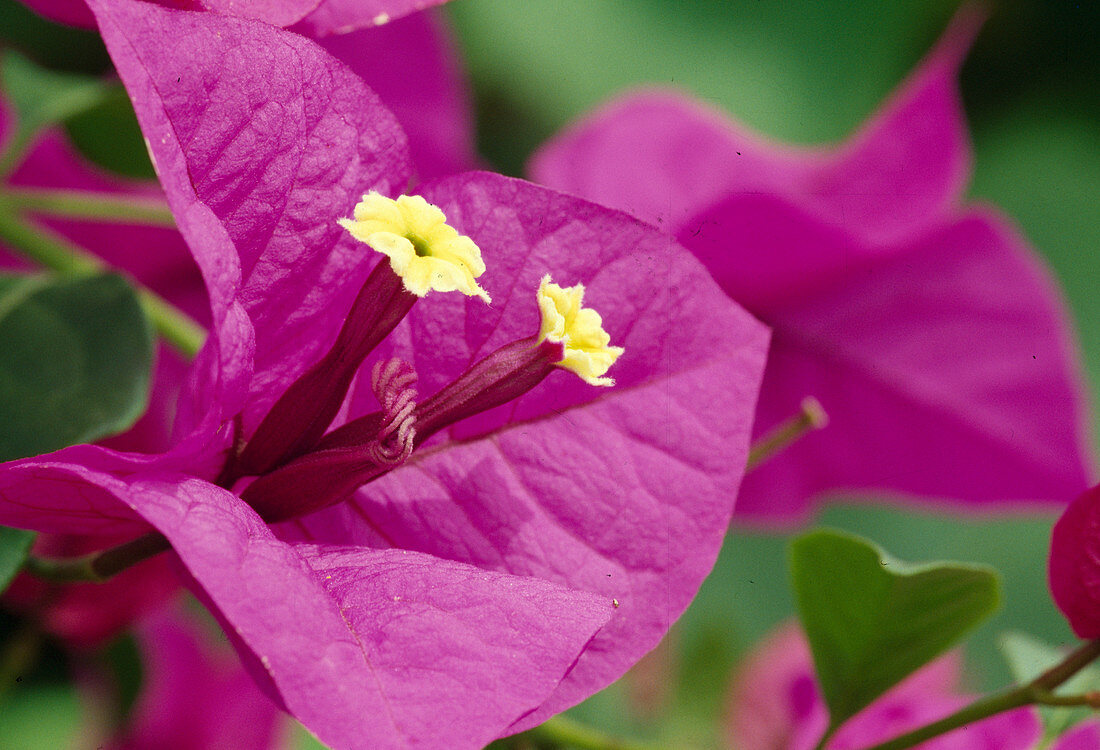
579,330
365,448
426,252
495,569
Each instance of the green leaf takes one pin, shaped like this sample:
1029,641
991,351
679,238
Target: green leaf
46,716
75,356
51,44
872,620
41,98
1028,657
15,544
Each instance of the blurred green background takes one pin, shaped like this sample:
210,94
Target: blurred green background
802,72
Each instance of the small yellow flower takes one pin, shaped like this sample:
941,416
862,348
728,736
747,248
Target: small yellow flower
426,252
578,329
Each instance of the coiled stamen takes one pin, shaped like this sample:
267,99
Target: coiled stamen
393,383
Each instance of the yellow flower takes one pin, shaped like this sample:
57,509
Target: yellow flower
426,252
578,329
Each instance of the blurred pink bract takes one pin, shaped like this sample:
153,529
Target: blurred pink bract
775,705
934,337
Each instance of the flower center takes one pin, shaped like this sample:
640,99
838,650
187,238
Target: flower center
425,254
586,345
424,250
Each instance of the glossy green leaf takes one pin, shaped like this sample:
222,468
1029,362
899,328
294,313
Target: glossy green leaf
14,546
872,620
1028,657
75,357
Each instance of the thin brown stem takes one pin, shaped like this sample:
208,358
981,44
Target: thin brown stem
811,417
98,566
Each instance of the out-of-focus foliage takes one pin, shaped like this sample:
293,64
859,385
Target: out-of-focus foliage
74,361
14,545
1029,657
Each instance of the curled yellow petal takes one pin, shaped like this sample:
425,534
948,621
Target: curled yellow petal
424,250
580,331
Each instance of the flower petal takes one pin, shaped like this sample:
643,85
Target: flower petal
342,16
375,648
258,162
71,12
1074,573
281,13
949,368
625,491
664,156
413,66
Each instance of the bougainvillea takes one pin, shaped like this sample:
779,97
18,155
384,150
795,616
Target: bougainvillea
516,561
313,17
931,333
157,257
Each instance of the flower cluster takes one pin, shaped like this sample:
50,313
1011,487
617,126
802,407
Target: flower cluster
520,536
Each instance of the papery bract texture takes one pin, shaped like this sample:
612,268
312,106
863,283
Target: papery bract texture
519,560
775,704
930,332
637,511
195,693
317,17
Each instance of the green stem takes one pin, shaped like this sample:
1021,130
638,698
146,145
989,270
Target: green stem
560,731
57,253
811,417
1088,700
90,206
1023,695
98,566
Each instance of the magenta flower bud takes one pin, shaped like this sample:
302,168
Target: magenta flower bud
1074,572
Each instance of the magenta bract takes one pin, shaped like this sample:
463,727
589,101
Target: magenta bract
195,693
934,337
1074,573
520,559
313,17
